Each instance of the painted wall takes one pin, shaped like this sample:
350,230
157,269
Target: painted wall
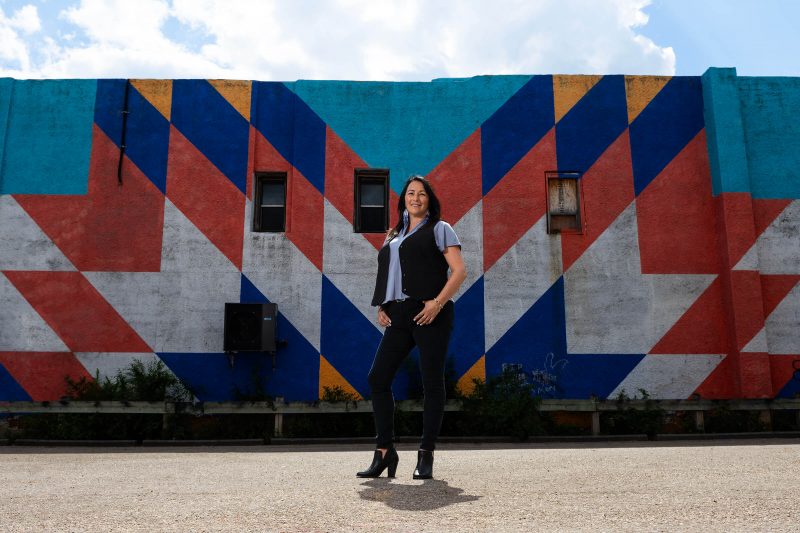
672,287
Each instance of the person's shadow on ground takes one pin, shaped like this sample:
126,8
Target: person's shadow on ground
432,494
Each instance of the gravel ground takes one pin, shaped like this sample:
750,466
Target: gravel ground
708,486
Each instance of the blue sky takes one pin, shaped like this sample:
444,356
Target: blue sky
759,38
414,40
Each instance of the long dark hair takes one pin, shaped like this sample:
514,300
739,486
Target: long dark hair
434,207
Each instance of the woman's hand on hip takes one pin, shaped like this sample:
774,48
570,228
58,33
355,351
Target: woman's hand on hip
428,313
383,318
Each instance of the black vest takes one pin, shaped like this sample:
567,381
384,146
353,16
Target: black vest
422,263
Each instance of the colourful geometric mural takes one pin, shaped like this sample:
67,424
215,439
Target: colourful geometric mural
675,285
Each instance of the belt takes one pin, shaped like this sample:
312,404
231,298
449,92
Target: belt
404,300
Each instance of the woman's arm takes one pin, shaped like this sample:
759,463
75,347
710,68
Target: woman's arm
457,276
458,273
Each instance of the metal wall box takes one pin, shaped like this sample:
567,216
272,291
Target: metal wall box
250,327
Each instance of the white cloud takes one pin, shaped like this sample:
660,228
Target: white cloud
341,39
26,19
13,48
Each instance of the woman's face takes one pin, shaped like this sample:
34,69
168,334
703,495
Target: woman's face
416,199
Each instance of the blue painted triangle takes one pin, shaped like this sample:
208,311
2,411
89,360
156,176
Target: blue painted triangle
541,330
10,390
348,341
515,128
407,127
536,348
292,127
250,294
211,377
792,387
213,126
467,339
592,124
146,130
665,127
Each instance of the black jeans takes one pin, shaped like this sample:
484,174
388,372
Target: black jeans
398,340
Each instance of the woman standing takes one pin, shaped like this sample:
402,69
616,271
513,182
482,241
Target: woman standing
412,292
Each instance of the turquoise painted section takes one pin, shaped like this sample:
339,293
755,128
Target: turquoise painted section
771,115
48,137
753,133
727,152
6,89
406,127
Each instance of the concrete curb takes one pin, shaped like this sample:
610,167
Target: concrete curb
205,442
286,441
73,443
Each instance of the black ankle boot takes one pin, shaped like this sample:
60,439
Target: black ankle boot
424,468
379,462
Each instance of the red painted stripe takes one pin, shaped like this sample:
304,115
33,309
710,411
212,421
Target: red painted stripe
251,162
675,216
457,179
517,201
722,383
305,228
755,380
111,228
607,189
765,211
340,164
78,314
774,288
304,203
701,329
265,157
782,369
747,301
206,196
734,212
42,374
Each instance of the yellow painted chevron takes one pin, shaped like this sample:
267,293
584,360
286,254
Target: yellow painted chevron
237,93
640,90
567,90
158,93
478,370
330,377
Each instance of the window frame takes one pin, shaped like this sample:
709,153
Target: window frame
260,179
375,175
579,216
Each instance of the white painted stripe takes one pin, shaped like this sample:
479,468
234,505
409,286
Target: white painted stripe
284,274
611,307
779,245
757,343
23,244
21,327
668,376
783,325
186,249
519,278
470,232
172,311
108,364
350,262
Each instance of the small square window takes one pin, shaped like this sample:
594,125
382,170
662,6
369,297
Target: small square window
372,200
269,202
564,208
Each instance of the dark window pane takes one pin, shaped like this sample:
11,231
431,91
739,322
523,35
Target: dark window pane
373,219
272,192
372,193
272,218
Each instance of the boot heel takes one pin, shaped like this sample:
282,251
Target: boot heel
392,469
